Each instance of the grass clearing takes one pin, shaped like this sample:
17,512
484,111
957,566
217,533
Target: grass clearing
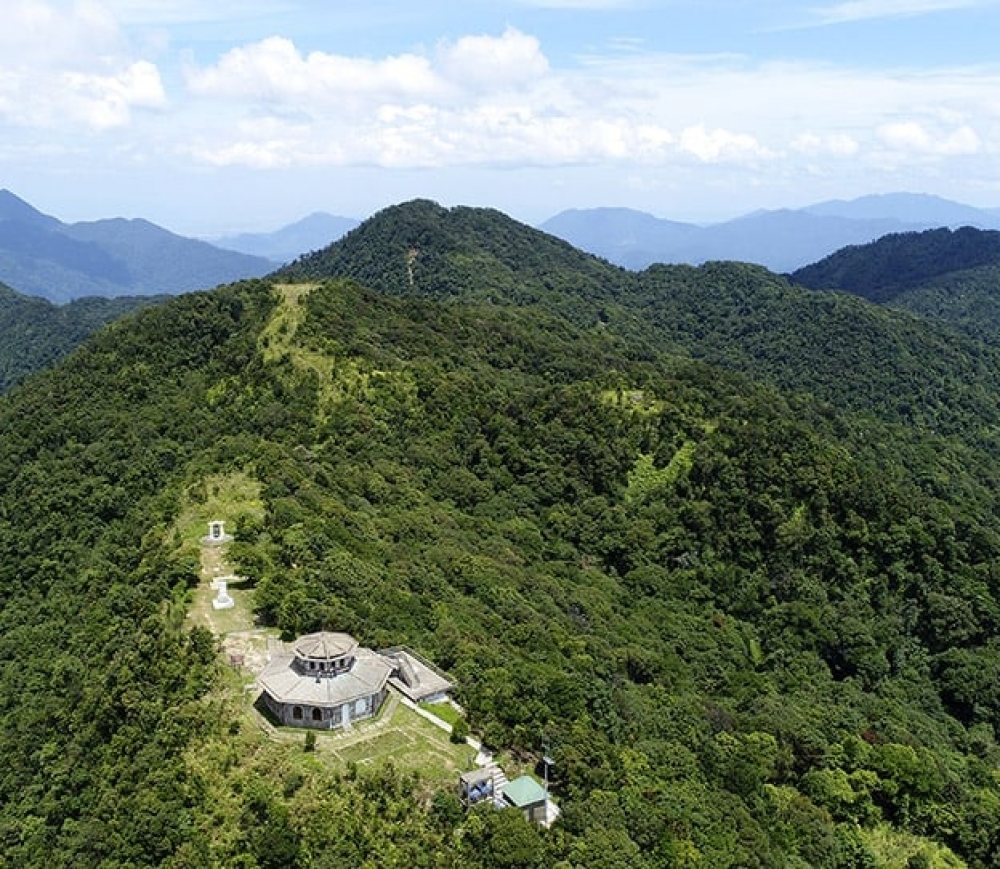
406,740
895,848
397,735
445,711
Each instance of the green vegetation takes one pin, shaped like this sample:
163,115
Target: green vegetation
895,264
857,356
751,628
950,278
34,333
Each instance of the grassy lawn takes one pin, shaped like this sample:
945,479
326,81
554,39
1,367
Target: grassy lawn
226,498
445,711
398,735
403,738
218,496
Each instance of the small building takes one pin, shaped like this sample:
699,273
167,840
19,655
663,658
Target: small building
327,682
416,678
475,786
216,534
529,796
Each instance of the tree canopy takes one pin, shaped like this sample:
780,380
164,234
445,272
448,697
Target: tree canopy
754,626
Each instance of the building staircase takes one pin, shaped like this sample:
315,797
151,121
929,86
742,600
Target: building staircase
499,778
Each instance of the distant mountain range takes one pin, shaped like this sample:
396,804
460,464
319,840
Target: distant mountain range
42,256
285,244
782,240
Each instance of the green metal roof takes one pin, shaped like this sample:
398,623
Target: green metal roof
523,791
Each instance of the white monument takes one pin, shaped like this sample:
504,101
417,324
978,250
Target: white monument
216,534
222,600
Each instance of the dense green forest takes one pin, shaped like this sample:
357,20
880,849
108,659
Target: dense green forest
890,266
943,276
754,626
866,358
35,333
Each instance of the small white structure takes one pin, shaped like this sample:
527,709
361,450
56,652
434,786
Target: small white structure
216,534
222,600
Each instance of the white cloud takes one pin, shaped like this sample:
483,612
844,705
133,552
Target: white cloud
47,35
70,62
274,70
913,137
490,63
482,100
720,145
430,109
834,145
865,10
106,101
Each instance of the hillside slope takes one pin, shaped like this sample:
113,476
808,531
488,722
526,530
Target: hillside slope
886,269
750,629
34,333
742,317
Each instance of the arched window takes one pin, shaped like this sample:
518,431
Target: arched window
317,714
297,713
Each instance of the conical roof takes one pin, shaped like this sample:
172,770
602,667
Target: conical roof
324,646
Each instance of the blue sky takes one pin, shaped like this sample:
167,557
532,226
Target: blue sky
248,114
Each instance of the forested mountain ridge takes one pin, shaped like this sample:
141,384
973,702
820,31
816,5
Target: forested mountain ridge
34,333
967,300
840,348
951,277
752,631
888,268
422,248
740,316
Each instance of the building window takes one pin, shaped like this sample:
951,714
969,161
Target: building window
317,714
297,713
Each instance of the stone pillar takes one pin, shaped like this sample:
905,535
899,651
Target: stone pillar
222,600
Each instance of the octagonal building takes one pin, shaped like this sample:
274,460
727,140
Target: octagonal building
327,682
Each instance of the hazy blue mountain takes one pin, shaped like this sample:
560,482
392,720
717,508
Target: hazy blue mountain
782,240
624,236
42,256
313,232
16,209
920,208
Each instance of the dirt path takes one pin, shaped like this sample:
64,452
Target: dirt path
241,637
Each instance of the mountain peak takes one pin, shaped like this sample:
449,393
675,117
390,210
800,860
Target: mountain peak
13,207
422,248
